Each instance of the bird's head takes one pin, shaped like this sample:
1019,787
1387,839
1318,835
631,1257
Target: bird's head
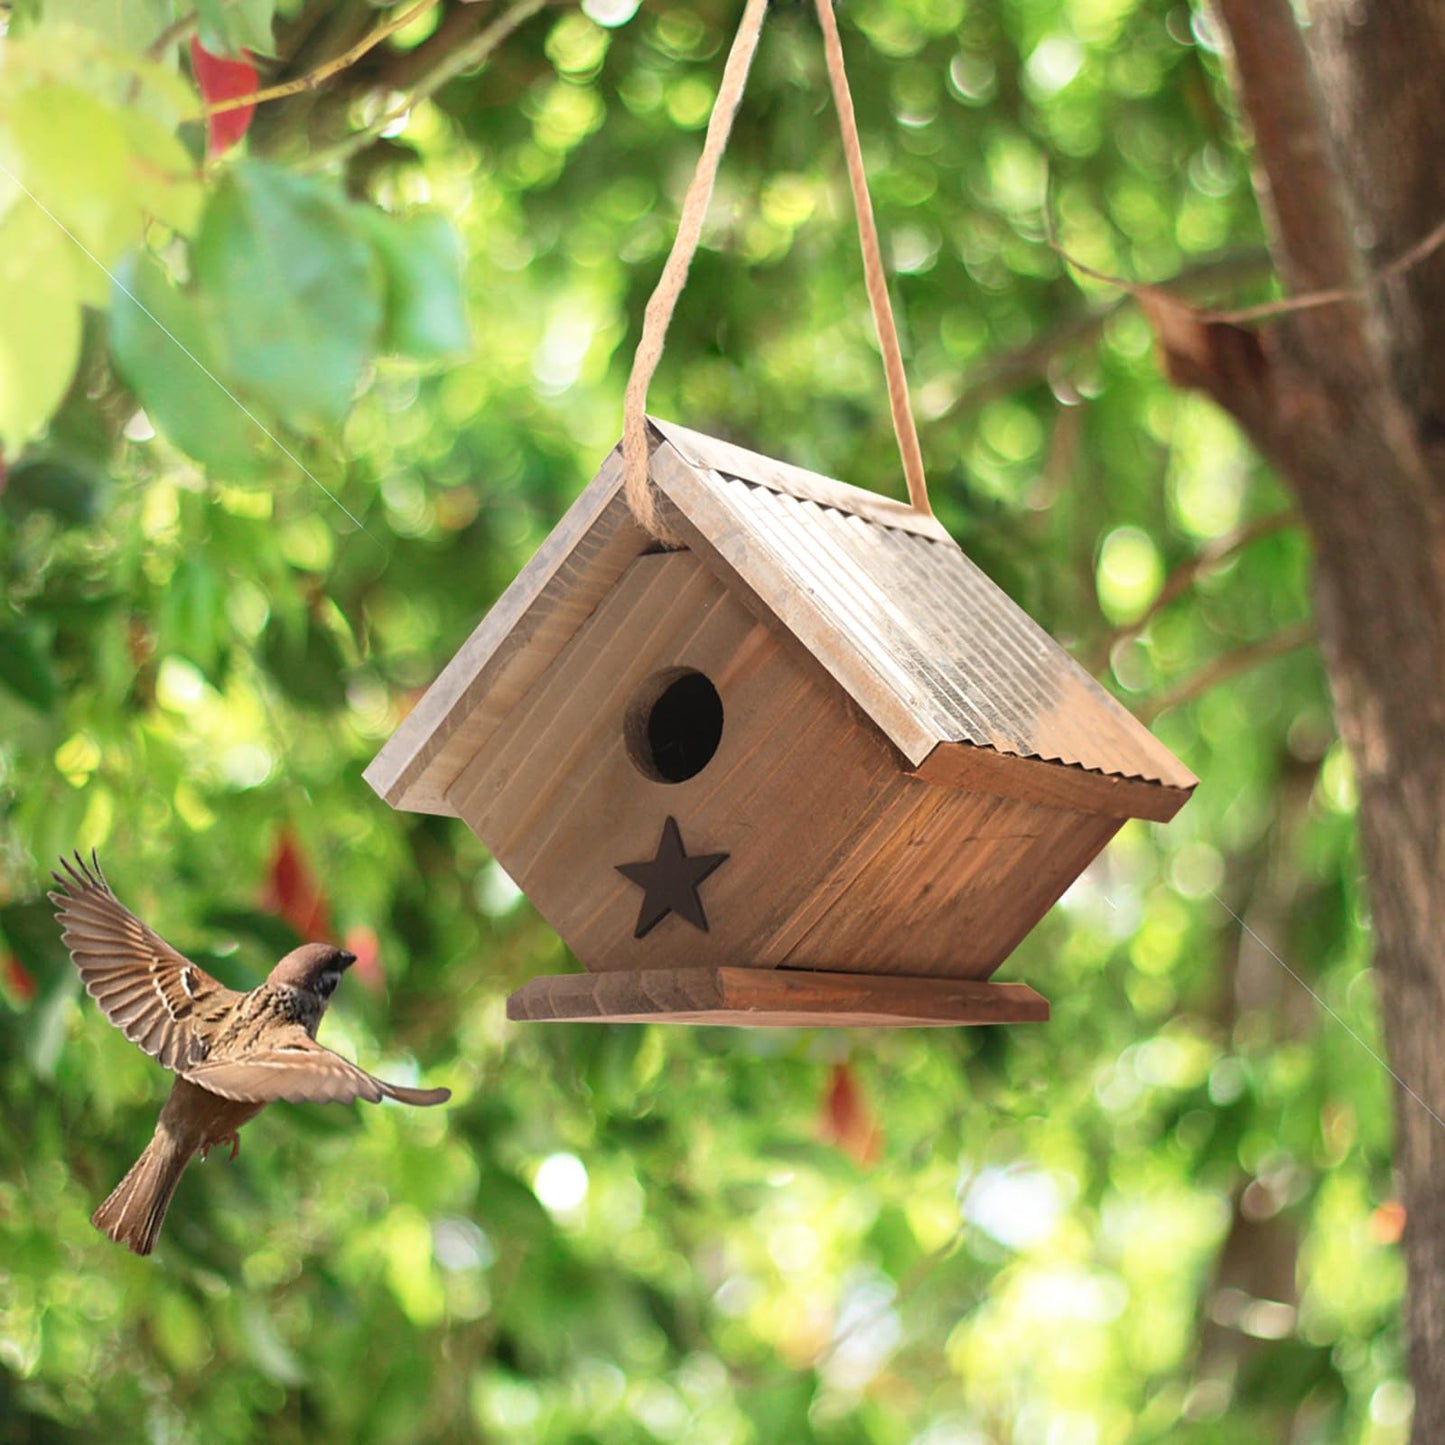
314,968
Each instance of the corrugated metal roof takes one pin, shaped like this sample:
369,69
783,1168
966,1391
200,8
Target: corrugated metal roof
912,615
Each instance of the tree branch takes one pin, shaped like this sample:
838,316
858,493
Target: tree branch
1309,209
1012,369
1231,664
1183,577
464,58
1328,360
178,29
315,79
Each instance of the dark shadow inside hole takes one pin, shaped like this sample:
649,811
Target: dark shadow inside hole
684,728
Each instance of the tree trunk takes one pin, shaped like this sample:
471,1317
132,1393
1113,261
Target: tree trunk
1348,401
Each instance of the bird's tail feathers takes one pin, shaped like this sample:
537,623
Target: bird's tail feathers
421,1097
133,1212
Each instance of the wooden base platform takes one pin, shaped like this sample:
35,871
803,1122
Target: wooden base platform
773,998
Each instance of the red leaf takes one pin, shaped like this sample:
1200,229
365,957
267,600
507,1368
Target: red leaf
18,980
220,80
293,891
363,942
845,1119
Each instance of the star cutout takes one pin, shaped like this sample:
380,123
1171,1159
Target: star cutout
670,880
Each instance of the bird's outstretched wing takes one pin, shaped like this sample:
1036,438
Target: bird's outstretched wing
155,996
290,1065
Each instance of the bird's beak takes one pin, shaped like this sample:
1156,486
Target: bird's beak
347,959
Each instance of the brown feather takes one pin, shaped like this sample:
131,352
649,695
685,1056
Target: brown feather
192,1120
294,1067
134,1210
152,993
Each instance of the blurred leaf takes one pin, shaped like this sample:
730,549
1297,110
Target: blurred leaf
39,322
509,1209
69,489
48,1021
164,347
34,934
270,1352
231,26
294,290
132,25
778,1408
421,255
16,980
293,890
25,666
164,179
845,1118
73,154
181,1333
192,619
305,660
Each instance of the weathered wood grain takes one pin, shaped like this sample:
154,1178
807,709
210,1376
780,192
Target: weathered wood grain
952,890
511,647
728,543
774,998
558,801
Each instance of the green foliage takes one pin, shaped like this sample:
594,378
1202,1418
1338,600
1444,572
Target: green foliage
228,29
295,292
164,345
1165,1216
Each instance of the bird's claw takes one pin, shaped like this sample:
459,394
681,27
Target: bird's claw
234,1140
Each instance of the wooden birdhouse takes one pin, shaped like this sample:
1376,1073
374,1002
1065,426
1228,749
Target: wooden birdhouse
814,768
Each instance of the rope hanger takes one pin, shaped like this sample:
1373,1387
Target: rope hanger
639,493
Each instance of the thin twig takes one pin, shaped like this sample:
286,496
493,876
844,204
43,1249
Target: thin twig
1213,554
1284,307
315,79
1011,369
178,29
470,56
1287,639
1412,256
921,1271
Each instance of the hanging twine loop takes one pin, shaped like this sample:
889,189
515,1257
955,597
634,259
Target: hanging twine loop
674,274
636,487
874,275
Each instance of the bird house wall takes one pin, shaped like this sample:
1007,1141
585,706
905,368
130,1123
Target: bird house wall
837,859
958,879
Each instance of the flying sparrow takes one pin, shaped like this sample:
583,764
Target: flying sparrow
233,1053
